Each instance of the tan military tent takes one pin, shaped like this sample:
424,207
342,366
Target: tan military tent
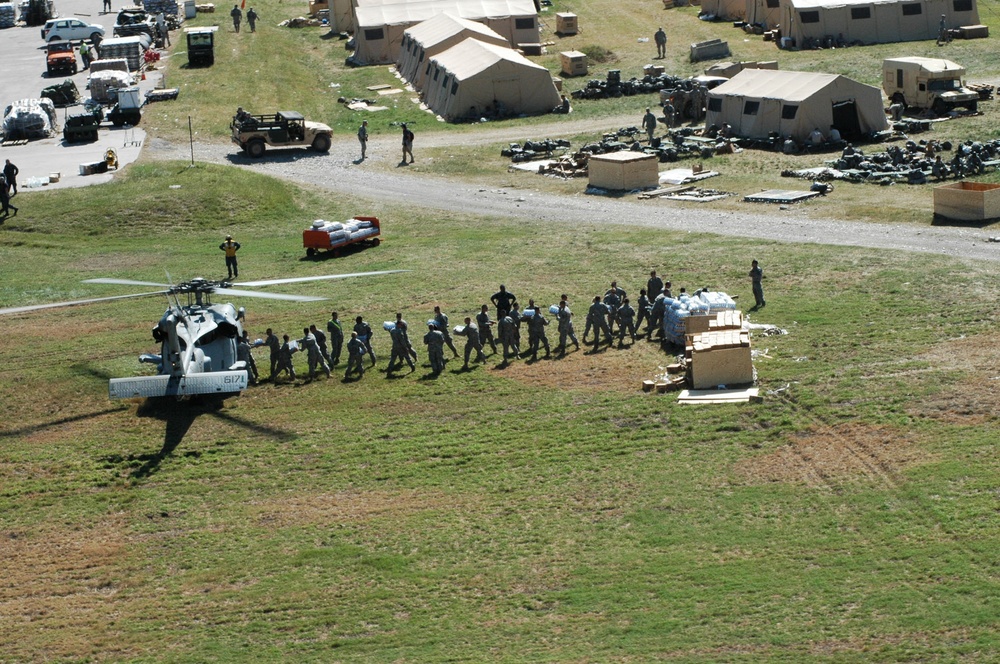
763,12
760,102
379,28
436,35
472,76
871,22
725,10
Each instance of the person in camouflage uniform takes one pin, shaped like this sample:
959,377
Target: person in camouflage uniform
435,348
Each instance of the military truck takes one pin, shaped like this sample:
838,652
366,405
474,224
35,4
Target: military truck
60,58
927,83
201,46
253,133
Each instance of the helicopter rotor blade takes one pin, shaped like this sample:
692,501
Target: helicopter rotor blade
293,280
56,305
124,282
268,296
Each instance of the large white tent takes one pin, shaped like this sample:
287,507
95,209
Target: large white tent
879,22
379,28
436,35
757,103
473,76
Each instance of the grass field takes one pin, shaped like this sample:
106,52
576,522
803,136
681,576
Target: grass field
545,511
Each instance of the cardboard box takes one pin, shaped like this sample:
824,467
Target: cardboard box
720,358
620,171
317,6
566,24
967,201
573,63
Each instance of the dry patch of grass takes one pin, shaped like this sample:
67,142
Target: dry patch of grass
824,455
976,397
310,509
610,369
61,592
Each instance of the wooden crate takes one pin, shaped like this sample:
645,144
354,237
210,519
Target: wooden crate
566,23
967,201
573,63
974,31
720,358
623,171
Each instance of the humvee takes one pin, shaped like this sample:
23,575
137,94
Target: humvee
927,83
282,129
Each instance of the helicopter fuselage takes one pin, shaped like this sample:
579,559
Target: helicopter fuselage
198,354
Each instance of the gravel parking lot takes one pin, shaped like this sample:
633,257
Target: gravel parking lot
22,70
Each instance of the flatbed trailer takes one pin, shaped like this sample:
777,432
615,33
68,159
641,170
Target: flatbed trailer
334,236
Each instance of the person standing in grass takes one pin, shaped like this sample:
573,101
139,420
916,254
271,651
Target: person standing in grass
626,322
486,329
503,300
231,247
654,285
506,328
336,331
321,342
363,138
400,348
661,43
536,334
471,334
407,143
365,334
284,359
435,348
237,15
756,274
649,124
5,206
273,344
252,17
565,319
441,318
355,356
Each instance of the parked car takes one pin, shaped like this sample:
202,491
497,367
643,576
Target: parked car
71,29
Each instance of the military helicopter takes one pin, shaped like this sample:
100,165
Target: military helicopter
197,338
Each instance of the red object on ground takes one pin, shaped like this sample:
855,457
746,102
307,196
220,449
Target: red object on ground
314,240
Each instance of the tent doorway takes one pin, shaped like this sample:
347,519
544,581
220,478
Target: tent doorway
845,119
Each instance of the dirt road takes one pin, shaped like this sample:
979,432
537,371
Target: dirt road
338,172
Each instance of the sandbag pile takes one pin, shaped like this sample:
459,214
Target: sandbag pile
8,17
613,86
343,232
29,118
913,162
678,310
532,150
166,7
103,84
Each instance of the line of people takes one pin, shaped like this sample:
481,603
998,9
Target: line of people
611,316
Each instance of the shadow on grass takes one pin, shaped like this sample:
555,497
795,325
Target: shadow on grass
178,417
35,428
